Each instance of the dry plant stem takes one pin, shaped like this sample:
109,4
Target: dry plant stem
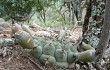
97,66
35,63
86,20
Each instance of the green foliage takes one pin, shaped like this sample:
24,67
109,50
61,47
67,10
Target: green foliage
21,10
45,12
56,14
18,10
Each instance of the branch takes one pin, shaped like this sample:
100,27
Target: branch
34,63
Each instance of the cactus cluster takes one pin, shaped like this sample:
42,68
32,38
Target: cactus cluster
23,38
57,50
60,52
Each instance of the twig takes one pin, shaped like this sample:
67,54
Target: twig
97,66
34,63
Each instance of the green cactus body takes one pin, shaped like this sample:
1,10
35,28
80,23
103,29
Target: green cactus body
42,42
36,37
49,49
62,64
47,59
37,52
25,40
57,45
87,56
65,46
25,28
60,37
71,57
87,46
35,41
73,48
61,55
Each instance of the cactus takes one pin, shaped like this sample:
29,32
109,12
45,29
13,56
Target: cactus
47,59
66,48
26,28
35,41
62,64
57,45
64,45
49,49
86,56
61,55
25,40
71,57
73,48
42,42
87,46
55,51
37,52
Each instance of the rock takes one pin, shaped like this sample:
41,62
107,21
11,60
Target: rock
16,27
5,24
1,28
42,33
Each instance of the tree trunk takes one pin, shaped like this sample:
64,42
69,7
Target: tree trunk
96,28
93,22
105,35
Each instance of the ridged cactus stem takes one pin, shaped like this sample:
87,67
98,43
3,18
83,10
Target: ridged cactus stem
87,46
86,56
62,50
